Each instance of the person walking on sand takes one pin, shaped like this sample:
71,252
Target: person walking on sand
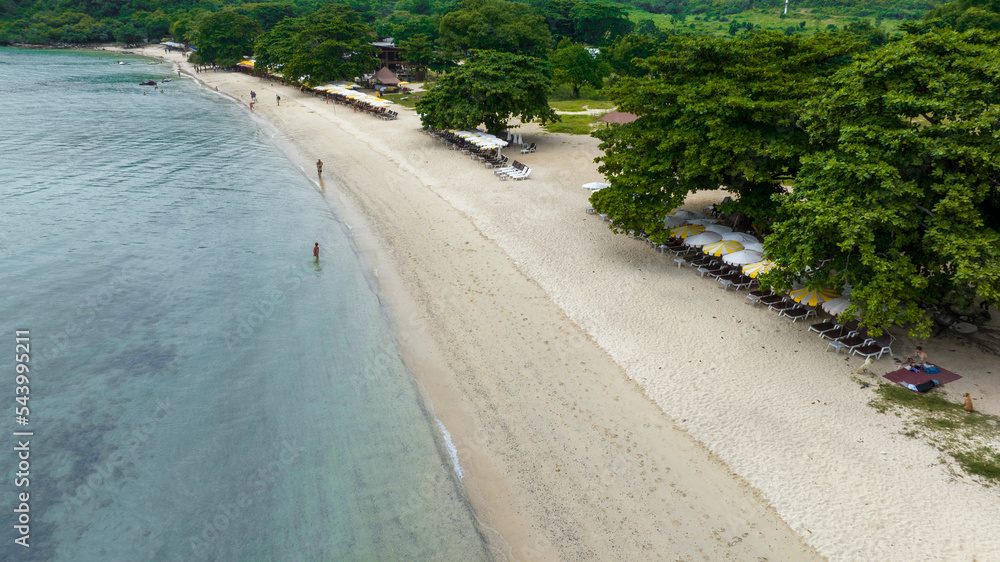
319,168
278,98
316,251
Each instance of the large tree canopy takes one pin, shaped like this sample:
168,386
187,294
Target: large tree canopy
225,37
901,200
331,44
573,64
495,25
712,111
490,88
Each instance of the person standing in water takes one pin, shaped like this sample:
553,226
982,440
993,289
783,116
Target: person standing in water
319,167
316,251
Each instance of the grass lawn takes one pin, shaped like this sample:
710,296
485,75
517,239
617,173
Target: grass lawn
405,100
575,124
581,104
767,18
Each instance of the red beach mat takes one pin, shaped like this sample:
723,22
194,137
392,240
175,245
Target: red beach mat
904,377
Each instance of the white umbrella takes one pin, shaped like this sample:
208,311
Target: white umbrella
739,237
742,257
702,239
837,305
704,222
595,185
722,248
673,222
685,214
720,228
755,246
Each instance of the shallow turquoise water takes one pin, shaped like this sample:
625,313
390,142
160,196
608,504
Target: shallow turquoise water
200,389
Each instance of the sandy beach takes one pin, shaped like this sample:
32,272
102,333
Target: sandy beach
606,404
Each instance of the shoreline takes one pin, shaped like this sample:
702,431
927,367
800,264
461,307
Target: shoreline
554,449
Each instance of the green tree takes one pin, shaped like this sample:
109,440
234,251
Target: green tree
712,112
224,38
333,44
559,18
276,47
268,14
901,200
597,22
491,88
128,34
622,55
495,25
421,51
573,64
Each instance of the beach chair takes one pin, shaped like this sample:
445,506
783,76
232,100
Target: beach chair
848,343
755,296
822,327
797,313
528,149
782,306
518,176
771,300
876,347
712,270
837,333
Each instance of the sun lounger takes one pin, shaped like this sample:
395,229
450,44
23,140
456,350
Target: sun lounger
771,300
877,347
797,313
755,296
529,148
837,333
782,306
523,175
823,327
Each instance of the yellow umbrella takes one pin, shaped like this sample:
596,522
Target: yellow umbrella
813,297
685,230
755,269
722,248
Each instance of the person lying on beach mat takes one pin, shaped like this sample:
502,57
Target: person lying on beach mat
923,387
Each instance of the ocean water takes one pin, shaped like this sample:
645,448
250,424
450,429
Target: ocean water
200,388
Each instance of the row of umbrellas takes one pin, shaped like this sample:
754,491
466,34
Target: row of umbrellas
742,249
349,93
480,139
737,248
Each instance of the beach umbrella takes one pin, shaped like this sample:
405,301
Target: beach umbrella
722,247
755,269
704,222
673,222
595,185
739,237
720,228
743,257
699,240
837,305
686,230
686,214
813,297
755,246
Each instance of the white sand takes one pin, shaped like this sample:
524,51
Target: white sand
606,404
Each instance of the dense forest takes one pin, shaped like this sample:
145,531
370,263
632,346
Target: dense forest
134,21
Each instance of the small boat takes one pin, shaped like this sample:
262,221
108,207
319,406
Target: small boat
165,80
148,83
